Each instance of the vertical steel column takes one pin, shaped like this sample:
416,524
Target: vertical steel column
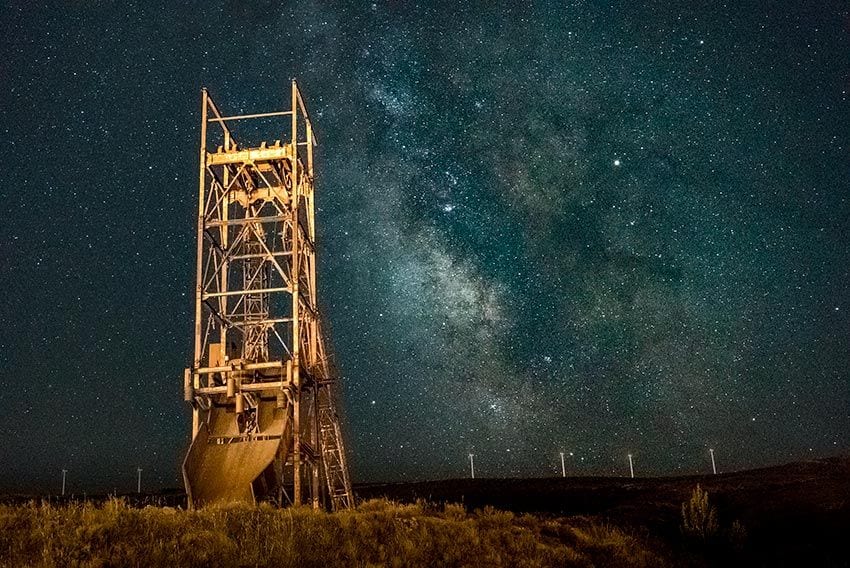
314,332
225,243
296,332
199,267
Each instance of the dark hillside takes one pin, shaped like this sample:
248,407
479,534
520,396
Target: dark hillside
794,515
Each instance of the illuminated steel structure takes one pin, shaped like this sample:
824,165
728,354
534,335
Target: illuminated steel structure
264,425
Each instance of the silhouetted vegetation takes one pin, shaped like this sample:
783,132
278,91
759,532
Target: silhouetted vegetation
792,515
377,533
699,517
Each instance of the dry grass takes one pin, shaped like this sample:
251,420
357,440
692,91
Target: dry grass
377,533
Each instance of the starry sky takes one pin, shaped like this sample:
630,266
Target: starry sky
592,228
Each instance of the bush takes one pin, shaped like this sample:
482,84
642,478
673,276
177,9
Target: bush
737,535
699,517
378,533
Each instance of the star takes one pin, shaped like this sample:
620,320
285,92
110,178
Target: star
569,294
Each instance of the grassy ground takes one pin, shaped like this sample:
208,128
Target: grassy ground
377,533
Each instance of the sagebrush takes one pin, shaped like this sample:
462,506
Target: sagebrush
699,516
377,533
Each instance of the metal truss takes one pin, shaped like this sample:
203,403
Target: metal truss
260,376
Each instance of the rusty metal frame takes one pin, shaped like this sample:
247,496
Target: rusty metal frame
257,326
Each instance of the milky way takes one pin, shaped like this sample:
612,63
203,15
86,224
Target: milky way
551,228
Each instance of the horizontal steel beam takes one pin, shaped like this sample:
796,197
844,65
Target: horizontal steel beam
246,322
209,295
250,155
247,220
244,116
245,387
261,255
240,367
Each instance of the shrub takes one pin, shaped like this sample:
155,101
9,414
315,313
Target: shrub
737,535
454,512
699,517
378,533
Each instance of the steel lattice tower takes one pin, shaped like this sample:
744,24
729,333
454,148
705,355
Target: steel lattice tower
264,425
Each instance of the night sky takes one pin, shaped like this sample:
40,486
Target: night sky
551,227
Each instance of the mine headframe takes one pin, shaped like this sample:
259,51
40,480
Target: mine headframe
261,386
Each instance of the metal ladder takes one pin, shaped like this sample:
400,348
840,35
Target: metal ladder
333,452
